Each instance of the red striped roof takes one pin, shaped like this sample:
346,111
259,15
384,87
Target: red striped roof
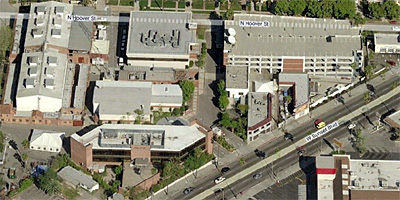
326,171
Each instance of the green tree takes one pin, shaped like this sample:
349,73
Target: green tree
366,97
25,144
118,172
228,15
327,8
5,42
376,11
353,65
49,182
281,7
187,89
24,157
297,7
223,102
394,85
242,108
344,9
357,19
314,9
369,71
392,9
242,161
221,86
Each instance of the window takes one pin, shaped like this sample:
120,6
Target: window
38,147
240,93
44,148
57,150
51,149
32,147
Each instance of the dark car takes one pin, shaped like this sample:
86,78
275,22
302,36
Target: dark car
225,169
188,190
262,155
257,176
219,190
13,144
288,136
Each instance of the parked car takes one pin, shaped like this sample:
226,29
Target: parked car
319,123
219,179
188,190
225,169
391,62
351,126
288,136
121,61
11,173
257,176
395,28
393,22
260,154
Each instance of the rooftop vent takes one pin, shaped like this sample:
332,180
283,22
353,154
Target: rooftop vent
52,61
192,26
32,71
40,10
59,10
37,33
56,33
33,60
49,71
39,21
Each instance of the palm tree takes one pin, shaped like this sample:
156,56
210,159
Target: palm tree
25,144
242,161
366,97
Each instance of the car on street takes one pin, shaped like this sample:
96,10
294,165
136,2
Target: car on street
396,28
218,190
393,22
225,169
288,136
260,154
188,190
351,126
257,176
392,63
11,173
219,179
319,123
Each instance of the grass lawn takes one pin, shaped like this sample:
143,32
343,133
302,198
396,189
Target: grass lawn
235,5
127,2
198,4
200,32
167,3
143,3
112,2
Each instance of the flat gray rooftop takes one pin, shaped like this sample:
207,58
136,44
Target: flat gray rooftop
160,33
236,77
293,36
81,32
327,162
301,81
375,174
258,107
387,39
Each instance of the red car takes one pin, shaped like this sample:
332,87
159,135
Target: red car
391,62
393,22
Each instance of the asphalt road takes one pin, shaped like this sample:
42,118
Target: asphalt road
299,133
311,148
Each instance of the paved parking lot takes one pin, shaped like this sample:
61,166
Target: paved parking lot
381,59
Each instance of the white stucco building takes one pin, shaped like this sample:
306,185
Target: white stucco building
387,43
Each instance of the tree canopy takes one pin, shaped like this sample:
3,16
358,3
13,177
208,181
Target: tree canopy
5,41
187,89
392,9
376,11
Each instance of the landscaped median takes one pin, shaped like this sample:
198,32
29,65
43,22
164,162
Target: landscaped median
292,147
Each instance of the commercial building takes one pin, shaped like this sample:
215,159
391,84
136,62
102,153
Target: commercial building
393,120
119,100
321,47
259,114
44,140
77,179
161,39
46,83
295,85
339,177
387,43
112,144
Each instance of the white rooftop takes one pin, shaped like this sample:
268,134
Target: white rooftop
375,174
159,137
47,138
45,22
387,39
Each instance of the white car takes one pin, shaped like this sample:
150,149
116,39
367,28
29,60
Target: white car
219,179
396,28
351,126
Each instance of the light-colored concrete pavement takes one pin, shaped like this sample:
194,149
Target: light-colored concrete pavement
378,27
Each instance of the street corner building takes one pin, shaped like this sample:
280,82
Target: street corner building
120,101
47,79
113,144
340,177
161,39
